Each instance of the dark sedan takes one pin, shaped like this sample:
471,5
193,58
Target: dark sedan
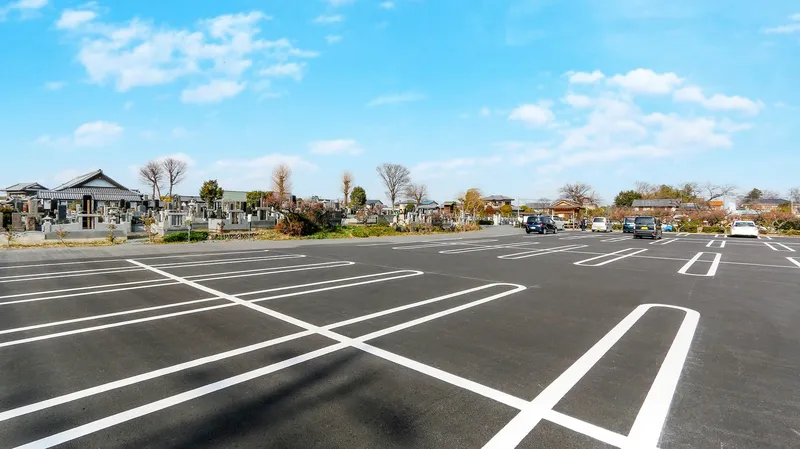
542,225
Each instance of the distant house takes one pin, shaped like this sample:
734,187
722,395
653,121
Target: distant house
427,207
497,201
766,204
23,190
449,207
374,204
539,207
569,210
716,205
95,187
659,205
402,204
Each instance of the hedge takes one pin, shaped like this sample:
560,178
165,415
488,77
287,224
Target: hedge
181,237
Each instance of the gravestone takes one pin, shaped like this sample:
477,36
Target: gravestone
16,221
30,223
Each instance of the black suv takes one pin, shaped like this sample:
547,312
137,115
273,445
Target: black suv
542,225
647,227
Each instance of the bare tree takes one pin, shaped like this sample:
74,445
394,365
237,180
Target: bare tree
281,181
770,195
714,191
643,188
579,193
152,174
544,200
395,178
347,181
417,192
794,194
174,172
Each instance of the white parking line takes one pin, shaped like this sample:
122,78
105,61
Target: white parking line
358,343
13,267
112,270
408,273
616,239
487,248
766,237
13,413
711,243
626,254
785,248
540,252
659,397
152,282
794,261
663,242
712,270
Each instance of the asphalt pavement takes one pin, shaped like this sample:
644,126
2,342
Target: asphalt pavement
491,339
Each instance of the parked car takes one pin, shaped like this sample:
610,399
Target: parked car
627,225
560,225
601,224
647,227
542,225
667,228
744,229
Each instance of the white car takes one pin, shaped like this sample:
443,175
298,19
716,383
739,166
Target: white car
558,221
744,229
601,224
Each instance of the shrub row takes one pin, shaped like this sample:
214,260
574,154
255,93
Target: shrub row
177,237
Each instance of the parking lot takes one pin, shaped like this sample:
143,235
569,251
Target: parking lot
497,339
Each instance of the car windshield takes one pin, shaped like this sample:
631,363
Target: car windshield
629,220
599,220
645,220
742,224
534,219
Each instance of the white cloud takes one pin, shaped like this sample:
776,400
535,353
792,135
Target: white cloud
287,70
717,102
532,115
88,135
71,18
682,134
646,81
326,19
213,92
333,39
54,85
179,132
139,53
337,146
578,101
396,98
26,8
183,157
338,3
240,173
585,77
485,112
386,5
786,29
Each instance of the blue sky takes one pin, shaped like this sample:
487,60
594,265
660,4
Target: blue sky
514,97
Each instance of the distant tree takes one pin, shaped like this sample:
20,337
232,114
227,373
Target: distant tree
174,171
489,211
524,208
578,192
785,207
753,196
625,198
256,198
152,175
714,191
358,197
410,208
644,189
770,195
210,191
417,192
471,202
506,210
282,182
347,181
395,178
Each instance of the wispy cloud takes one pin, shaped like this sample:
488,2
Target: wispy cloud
337,146
326,19
54,85
333,39
88,135
26,8
788,28
71,18
407,97
386,5
718,102
213,92
288,70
